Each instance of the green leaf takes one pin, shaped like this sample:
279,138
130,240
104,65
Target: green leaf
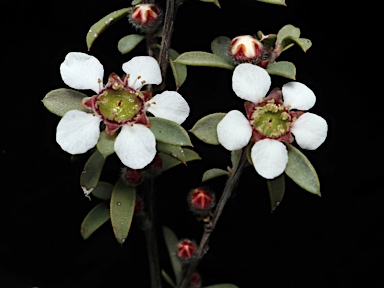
199,58
171,242
104,23
213,173
127,43
220,46
276,189
216,2
62,100
89,178
287,31
122,209
301,171
235,157
267,40
103,190
168,279
288,42
94,219
169,132
224,285
135,2
105,144
282,68
205,128
172,150
170,162
179,70
276,2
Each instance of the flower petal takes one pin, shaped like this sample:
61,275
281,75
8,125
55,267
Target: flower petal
270,157
250,82
310,131
142,68
169,105
82,71
298,96
234,131
135,146
78,131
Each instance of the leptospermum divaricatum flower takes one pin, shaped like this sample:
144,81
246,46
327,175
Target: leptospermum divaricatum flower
120,105
270,120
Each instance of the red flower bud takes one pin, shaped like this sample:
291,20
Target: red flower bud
195,280
201,201
186,249
247,49
132,177
145,17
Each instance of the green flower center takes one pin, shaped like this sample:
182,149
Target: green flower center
271,120
119,105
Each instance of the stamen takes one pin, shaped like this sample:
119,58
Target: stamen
134,83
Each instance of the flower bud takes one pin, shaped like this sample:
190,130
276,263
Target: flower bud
131,177
246,49
156,165
145,17
186,249
195,280
201,201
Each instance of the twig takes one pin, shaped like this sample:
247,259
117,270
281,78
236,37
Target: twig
230,185
151,237
169,18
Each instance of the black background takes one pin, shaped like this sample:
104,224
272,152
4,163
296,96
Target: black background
333,241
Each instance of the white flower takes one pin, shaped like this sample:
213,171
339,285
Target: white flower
270,120
135,145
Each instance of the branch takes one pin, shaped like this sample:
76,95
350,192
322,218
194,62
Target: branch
230,185
169,18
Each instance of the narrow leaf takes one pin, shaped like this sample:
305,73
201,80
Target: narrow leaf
235,157
220,46
169,132
224,285
268,40
168,279
89,178
276,2
172,150
135,2
213,173
301,171
105,145
287,31
62,100
170,162
122,208
283,68
106,22
216,2
179,70
200,58
94,219
171,241
288,42
206,128
103,190
127,43
276,189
